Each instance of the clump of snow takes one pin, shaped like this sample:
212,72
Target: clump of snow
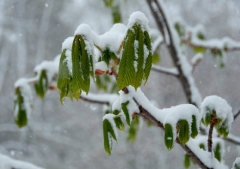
101,66
222,108
26,93
112,39
67,43
181,112
138,18
51,68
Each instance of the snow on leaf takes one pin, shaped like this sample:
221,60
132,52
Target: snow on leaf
22,102
218,106
41,86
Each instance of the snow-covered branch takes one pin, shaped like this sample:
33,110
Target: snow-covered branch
168,71
182,65
99,98
226,43
9,163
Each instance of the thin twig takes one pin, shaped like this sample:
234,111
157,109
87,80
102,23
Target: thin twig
236,114
168,71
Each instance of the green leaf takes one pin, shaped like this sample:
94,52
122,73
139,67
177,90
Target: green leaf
207,119
108,3
148,61
82,67
20,112
194,127
118,121
139,40
126,113
156,58
199,50
183,131
201,36
41,86
202,146
180,29
108,134
217,152
132,132
76,69
168,136
187,161
64,77
222,129
116,14
126,73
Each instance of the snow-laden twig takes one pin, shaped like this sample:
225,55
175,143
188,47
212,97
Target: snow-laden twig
99,98
10,163
150,112
182,65
226,43
168,71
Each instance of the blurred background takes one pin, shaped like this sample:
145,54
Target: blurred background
70,135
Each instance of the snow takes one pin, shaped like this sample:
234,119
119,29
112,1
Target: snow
67,43
196,58
51,68
204,156
9,163
222,108
236,162
110,98
26,94
101,66
138,18
112,39
110,118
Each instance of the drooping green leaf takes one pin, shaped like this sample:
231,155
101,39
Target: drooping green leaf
201,36
168,136
41,86
222,129
126,113
118,121
206,120
217,152
187,161
108,134
76,68
132,132
194,127
82,67
184,134
148,61
139,59
64,77
20,112
126,72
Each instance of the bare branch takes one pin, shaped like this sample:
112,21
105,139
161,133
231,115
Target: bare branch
164,25
236,114
233,139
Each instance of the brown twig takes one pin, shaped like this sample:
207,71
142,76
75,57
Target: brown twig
163,24
236,114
